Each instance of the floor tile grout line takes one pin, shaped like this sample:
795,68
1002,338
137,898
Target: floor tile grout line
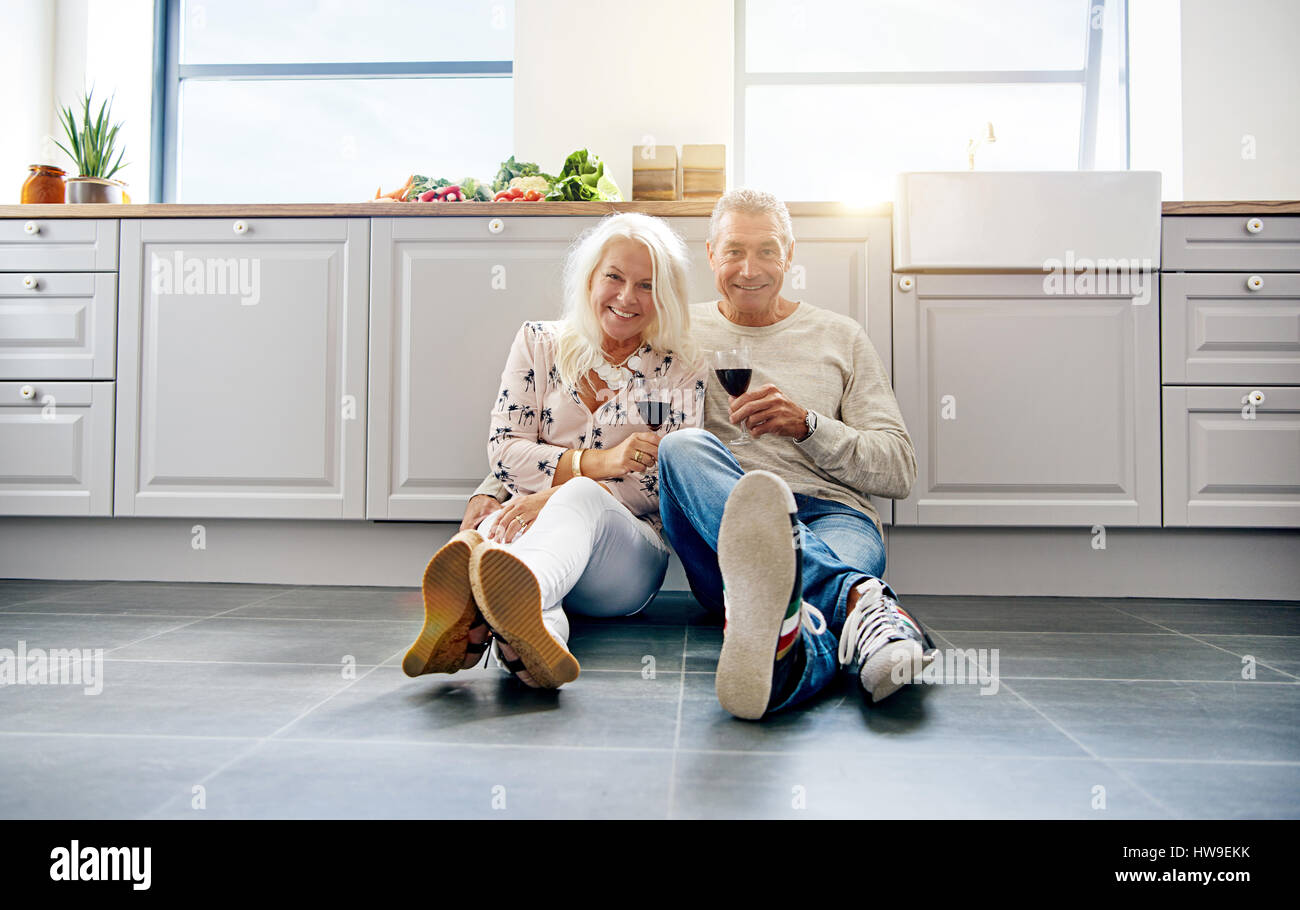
253,747
1132,783
182,626
956,757
1217,647
677,734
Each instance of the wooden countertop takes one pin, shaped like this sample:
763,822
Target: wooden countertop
1231,208
406,209
437,209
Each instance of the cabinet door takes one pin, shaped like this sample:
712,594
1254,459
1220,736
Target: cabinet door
58,325
840,264
1232,461
1028,407
58,245
57,441
447,297
242,368
1220,328
1230,243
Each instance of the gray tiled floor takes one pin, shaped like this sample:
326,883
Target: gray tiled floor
230,701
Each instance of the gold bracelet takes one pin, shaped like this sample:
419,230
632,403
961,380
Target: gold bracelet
577,462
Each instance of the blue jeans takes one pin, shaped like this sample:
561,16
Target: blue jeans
841,546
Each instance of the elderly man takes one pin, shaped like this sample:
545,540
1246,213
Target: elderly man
780,535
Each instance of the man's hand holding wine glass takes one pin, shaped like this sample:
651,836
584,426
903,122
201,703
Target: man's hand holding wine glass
766,410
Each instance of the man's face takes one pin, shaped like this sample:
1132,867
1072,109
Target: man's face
748,263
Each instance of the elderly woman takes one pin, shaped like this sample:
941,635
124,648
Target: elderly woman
581,530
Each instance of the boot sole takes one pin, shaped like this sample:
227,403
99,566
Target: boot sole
448,610
511,601
755,556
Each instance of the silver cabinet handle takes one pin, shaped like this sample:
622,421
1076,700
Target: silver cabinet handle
1254,225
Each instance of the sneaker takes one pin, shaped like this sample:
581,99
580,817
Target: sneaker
879,635
761,560
511,600
450,613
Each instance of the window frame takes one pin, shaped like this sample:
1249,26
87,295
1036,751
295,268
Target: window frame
1089,78
169,73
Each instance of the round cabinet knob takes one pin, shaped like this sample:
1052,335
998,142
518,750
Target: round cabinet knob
496,226
1254,283
28,392
30,282
1256,397
32,227
241,227
1254,225
906,283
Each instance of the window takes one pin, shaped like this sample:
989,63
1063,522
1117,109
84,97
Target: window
325,100
835,97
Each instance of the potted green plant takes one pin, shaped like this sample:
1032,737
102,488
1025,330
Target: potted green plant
92,146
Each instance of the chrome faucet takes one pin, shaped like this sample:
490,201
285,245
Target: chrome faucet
973,144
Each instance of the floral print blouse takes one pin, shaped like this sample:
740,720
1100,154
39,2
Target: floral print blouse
536,418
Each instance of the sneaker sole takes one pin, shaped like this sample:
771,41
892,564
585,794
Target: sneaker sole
448,610
511,601
877,676
755,558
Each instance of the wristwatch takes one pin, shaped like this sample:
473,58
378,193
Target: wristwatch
810,421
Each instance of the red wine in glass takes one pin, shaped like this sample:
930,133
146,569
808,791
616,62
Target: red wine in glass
734,371
650,402
653,412
735,381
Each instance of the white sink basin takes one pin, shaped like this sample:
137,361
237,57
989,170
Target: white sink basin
960,220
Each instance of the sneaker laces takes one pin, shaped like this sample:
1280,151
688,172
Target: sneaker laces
811,617
874,622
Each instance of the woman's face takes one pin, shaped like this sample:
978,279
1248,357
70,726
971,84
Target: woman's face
622,290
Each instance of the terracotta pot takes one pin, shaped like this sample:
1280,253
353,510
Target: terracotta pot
94,189
45,185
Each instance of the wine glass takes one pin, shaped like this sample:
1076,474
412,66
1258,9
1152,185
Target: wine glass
734,369
650,401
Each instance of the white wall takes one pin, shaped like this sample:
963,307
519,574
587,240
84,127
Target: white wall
55,50
610,75
27,68
1241,78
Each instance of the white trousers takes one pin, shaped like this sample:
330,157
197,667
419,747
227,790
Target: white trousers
589,554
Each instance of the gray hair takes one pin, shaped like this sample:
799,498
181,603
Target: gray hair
746,201
580,336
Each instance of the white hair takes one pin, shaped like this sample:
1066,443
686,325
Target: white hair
579,338
746,201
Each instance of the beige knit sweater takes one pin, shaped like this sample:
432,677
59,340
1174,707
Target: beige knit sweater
825,362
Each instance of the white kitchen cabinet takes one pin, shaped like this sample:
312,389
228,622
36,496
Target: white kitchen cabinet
448,295
58,244
57,440
1232,456
58,325
1028,408
242,368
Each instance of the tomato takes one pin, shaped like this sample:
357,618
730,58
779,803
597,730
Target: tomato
532,196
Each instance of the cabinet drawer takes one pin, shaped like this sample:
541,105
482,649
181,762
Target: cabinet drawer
58,448
1225,243
58,325
1230,464
1229,328
58,245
